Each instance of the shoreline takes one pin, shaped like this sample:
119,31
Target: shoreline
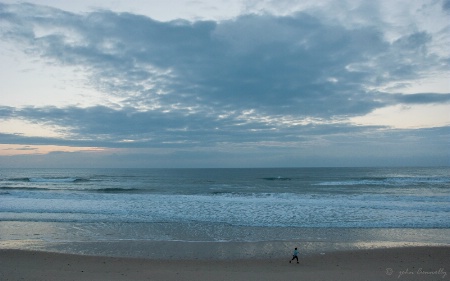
196,250
404,263
165,240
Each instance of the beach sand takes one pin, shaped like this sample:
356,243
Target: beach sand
408,263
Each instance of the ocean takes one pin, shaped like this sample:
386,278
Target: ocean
223,205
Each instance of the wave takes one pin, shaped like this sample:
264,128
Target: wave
395,181
22,188
117,190
277,179
17,179
49,180
100,190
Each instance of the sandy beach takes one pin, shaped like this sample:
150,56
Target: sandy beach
409,263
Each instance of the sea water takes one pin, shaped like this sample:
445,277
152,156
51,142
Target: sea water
73,205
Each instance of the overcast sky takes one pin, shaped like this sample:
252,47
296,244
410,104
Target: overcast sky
271,83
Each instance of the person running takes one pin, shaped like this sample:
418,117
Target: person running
295,256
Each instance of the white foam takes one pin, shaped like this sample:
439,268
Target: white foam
283,210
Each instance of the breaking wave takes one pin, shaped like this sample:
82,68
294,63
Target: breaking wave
49,180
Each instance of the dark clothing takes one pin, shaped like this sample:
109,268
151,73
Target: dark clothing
295,255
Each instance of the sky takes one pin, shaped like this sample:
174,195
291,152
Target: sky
236,83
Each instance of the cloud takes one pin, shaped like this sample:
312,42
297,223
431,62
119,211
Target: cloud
265,79
423,98
446,5
27,148
380,148
271,64
128,127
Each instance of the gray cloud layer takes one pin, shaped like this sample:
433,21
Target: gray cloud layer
253,78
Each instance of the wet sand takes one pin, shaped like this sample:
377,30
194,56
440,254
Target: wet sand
406,263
